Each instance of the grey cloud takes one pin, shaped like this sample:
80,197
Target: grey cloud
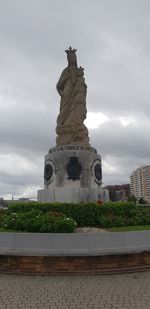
113,47
112,138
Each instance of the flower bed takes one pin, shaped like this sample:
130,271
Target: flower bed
62,217
37,221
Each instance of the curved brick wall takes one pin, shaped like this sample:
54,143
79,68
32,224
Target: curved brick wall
50,265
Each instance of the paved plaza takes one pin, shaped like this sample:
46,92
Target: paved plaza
123,291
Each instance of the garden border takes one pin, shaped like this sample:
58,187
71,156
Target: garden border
74,254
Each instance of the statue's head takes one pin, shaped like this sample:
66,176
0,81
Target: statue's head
80,71
71,56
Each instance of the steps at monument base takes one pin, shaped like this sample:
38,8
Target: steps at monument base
70,195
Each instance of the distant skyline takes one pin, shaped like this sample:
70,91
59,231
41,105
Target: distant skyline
112,41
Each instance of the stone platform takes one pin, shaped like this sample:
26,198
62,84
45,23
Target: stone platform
72,173
75,253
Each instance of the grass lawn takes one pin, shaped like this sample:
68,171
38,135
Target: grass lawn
2,229
111,229
129,228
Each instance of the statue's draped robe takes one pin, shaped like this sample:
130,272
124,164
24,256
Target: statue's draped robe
72,89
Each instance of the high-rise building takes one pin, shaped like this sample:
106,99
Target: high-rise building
140,183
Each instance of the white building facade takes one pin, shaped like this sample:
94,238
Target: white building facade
140,183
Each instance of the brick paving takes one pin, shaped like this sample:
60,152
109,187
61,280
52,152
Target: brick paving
123,291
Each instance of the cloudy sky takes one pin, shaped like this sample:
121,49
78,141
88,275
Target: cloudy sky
112,39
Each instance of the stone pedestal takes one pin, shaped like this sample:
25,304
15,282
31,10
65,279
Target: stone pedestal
72,173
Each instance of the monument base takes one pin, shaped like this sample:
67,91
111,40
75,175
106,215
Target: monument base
69,195
72,174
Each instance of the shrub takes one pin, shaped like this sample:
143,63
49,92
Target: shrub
86,214
36,221
2,214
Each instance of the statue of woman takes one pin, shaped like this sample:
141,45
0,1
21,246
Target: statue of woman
72,89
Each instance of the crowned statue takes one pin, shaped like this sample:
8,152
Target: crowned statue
72,89
72,168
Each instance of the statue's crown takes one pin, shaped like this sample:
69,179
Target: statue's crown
70,49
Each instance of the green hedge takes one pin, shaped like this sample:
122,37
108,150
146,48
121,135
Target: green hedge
91,214
37,221
84,214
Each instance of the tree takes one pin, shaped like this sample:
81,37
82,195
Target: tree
142,201
132,198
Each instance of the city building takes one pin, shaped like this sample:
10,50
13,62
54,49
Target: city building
3,203
118,192
140,183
